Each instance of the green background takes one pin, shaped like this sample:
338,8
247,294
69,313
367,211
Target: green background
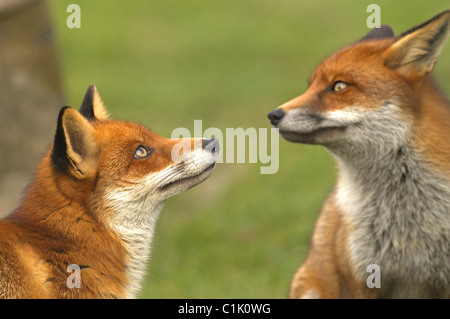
167,63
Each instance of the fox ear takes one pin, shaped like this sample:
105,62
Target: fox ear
418,49
74,150
92,106
382,32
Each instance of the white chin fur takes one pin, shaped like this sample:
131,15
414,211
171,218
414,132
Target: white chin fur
303,122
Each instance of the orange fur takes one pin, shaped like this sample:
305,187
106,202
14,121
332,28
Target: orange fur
388,126
66,216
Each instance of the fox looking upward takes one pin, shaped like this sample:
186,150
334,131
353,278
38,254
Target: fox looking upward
94,202
376,107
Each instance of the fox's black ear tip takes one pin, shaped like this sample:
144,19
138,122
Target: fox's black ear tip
387,29
92,106
443,13
383,32
87,105
90,91
446,14
64,109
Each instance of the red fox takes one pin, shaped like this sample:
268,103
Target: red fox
376,107
93,203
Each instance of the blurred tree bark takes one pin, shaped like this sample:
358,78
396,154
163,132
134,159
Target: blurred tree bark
30,94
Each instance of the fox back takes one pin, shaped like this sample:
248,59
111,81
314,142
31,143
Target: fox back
376,107
93,205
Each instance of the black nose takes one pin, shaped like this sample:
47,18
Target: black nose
212,145
275,116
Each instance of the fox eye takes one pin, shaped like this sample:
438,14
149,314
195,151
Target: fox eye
338,86
141,152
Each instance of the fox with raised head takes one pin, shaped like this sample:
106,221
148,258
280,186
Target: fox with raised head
376,107
93,203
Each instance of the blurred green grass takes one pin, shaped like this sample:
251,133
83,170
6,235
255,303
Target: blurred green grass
240,234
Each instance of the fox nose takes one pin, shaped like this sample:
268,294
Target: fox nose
275,116
212,145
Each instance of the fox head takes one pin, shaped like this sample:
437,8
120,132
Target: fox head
122,171
368,95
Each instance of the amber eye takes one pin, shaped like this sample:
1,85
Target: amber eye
141,152
339,86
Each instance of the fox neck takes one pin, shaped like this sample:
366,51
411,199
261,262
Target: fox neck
134,222
398,206
46,201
